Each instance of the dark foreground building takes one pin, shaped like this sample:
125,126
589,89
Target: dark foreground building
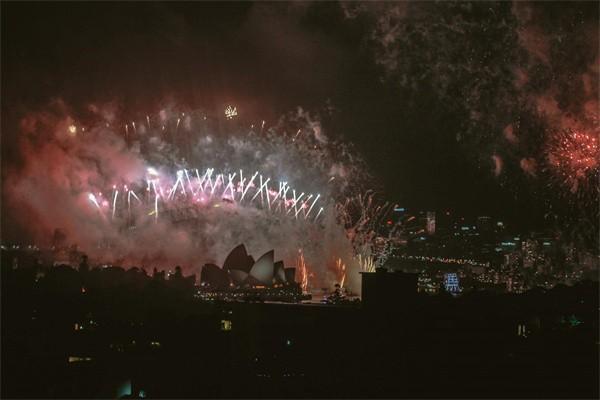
113,333
381,288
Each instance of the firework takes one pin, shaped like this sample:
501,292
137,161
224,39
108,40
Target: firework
230,112
302,270
267,190
341,268
221,189
92,198
385,253
574,157
319,213
362,216
571,166
311,206
366,263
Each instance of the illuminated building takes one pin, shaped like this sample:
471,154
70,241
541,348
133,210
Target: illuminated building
431,223
241,276
263,270
226,325
529,252
240,269
238,260
451,282
426,284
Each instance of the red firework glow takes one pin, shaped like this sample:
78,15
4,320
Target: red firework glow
574,156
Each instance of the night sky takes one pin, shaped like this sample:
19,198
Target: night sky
425,91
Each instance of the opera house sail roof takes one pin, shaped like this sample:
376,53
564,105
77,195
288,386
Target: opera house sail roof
264,268
238,259
240,270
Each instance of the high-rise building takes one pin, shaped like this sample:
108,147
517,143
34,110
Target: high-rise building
484,224
426,284
528,249
431,223
451,282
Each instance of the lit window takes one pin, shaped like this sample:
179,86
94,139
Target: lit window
225,325
79,359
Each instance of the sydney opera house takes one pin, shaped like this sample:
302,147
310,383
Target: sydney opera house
241,274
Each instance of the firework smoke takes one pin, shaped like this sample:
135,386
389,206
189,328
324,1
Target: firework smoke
525,77
362,217
186,192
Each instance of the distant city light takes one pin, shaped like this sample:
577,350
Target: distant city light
226,325
79,359
451,282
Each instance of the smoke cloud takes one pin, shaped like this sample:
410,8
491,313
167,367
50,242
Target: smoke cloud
522,76
73,167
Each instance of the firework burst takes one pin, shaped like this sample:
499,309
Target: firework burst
341,268
363,216
575,158
302,271
208,189
366,263
571,168
184,188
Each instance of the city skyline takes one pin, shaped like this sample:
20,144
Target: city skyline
302,199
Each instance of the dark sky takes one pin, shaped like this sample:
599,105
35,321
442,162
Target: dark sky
270,58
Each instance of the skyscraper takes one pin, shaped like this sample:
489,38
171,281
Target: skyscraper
451,282
431,223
